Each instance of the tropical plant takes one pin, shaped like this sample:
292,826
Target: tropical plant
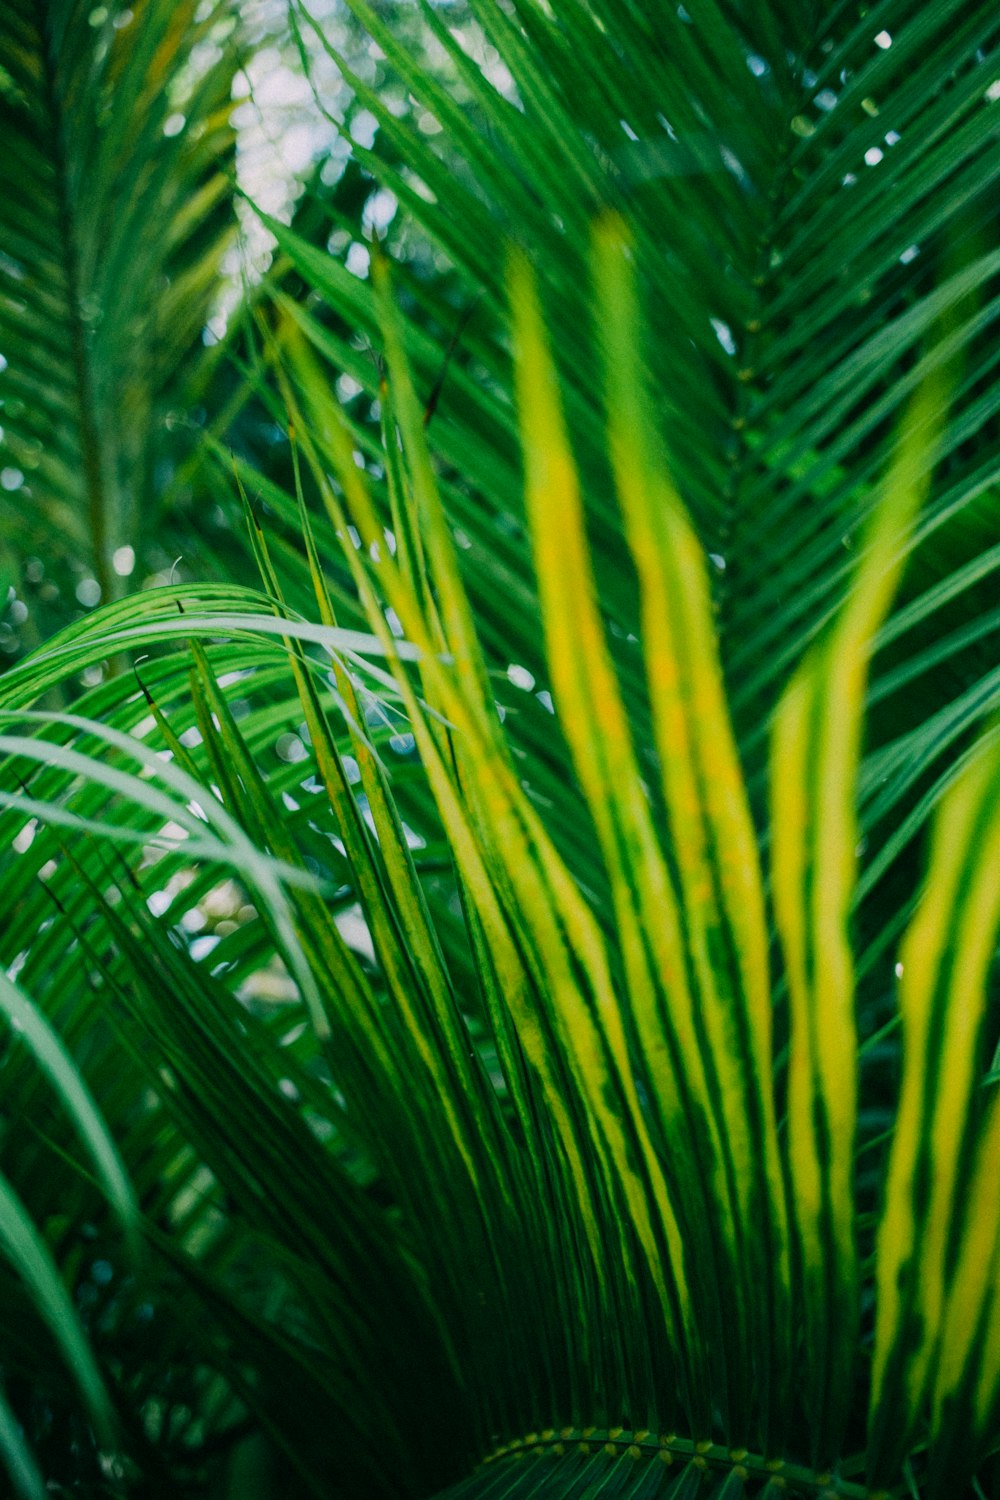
489,1083
117,211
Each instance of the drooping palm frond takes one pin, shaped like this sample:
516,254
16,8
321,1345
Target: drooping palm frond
115,186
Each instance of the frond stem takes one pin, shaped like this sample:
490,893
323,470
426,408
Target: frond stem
670,1448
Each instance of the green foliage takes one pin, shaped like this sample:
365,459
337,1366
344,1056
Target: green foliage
117,209
520,1100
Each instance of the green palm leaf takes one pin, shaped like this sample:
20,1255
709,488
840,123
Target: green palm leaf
732,178
115,179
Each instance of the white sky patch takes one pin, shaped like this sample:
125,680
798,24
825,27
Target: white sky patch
280,130
724,334
472,40
22,841
358,260
88,592
379,211
364,128
520,677
354,930
348,387
291,749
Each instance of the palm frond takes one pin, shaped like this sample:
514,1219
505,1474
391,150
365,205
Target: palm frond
791,317
115,180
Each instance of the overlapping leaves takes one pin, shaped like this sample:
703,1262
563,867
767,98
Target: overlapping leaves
595,1221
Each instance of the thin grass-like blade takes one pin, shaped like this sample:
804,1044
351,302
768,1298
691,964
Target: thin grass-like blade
816,750
25,1249
52,1057
938,1236
22,1468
